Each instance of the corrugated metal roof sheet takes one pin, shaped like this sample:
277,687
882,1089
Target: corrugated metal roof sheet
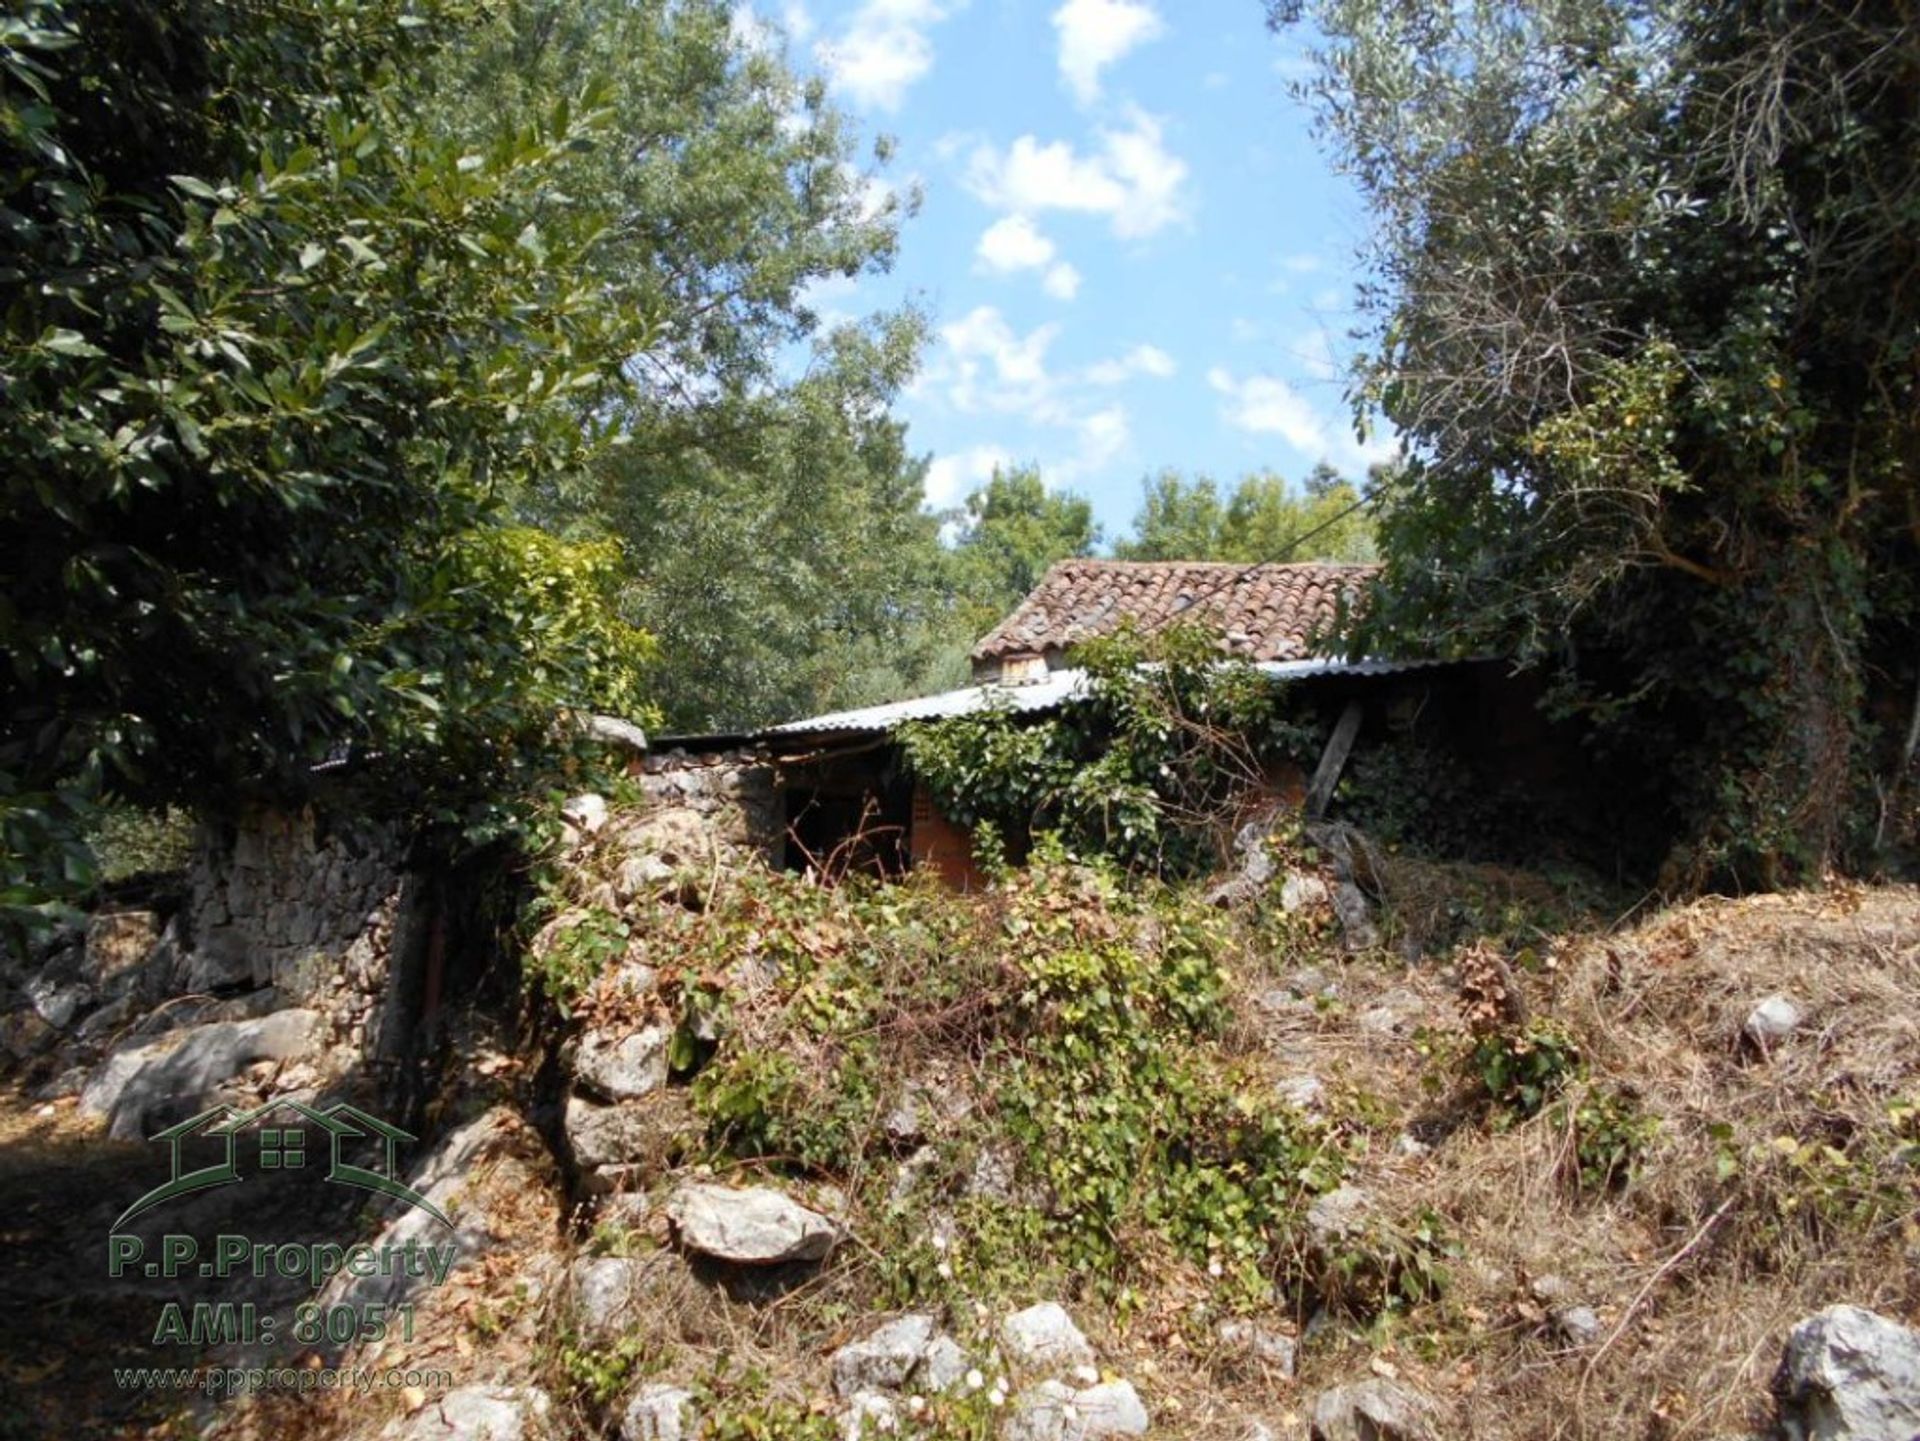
1057,689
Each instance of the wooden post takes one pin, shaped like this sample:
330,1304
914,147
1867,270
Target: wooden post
1333,759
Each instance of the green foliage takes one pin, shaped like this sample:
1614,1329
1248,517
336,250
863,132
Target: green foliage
1102,1098
1643,291
127,842
761,486
599,1375
1011,530
1387,1266
1139,768
1522,1068
572,958
273,353
1611,1134
1263,519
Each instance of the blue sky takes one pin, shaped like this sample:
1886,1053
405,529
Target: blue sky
1133,253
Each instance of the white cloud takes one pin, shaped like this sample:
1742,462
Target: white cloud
1103,438
1302,264
798,22
1133,180
1062,281
984,366
1149,360
951,477
1096,33
883,50
987,366
1013,243
1267,405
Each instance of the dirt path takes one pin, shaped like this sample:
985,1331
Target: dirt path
66,1325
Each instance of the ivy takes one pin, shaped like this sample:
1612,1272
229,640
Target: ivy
1138,768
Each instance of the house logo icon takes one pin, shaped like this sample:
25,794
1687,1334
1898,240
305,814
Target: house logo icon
283,1146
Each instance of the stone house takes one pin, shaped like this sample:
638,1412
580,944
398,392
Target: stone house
833,790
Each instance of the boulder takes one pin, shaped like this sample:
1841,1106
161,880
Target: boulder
660,1413
943,1366
1041,1413
585,814
607,1135
481,1413
1111,1408
1340,1213
1372,1410
1043,1339
58,1004
1355,911
612,731
1849,1374
622,1067
752,1226
182,1071
1771,1022
868,1414
1302,891
1265,1348
117,942
883,1360
610,1293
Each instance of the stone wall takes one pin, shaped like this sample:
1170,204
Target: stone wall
277,897
290,966
732,792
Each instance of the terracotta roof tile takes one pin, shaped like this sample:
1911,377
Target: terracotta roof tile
1269,612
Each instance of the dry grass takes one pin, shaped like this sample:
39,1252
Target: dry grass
1695,1276
1696,1270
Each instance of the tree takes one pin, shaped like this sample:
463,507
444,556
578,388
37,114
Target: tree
771,505
1262,520
1009,532
1647,285
271,353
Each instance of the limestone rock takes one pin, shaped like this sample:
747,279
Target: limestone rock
481,1413
660,1413
883,1360
1355,911
1110,1409
625,1067
118,941
1040,1413
610,1292
182,1071
613,731
1849,1374
1576,1325
752,1226
1303,1093
1771,1022
1266,1348
58,1004
943,1365
607,1135
1044,1339
1372,1410
867,1414
1302,890
585,814
1340,1213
